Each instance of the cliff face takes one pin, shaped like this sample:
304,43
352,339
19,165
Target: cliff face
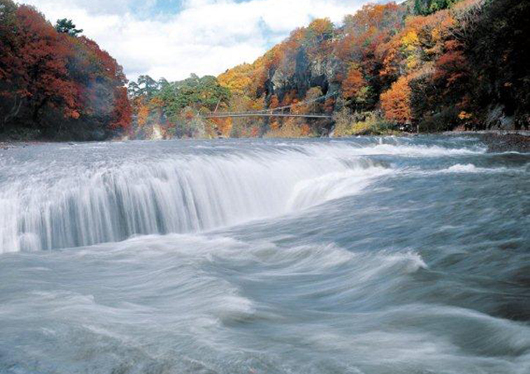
307,74
498,48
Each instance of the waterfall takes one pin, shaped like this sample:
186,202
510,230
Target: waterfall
57,196
112,201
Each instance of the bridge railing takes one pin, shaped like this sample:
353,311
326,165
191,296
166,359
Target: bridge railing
273,112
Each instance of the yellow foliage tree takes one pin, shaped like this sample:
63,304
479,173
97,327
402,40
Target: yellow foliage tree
143,114
237,80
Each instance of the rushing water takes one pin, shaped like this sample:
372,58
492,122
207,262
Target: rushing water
372,255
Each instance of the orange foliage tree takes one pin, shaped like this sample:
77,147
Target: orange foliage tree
355,88
396,102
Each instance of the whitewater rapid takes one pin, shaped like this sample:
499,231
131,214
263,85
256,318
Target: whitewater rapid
73,204
366,256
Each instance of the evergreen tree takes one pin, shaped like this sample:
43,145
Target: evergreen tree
66,26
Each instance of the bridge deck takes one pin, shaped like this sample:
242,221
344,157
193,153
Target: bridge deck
273,112
234,115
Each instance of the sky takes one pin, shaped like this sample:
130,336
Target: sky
175,38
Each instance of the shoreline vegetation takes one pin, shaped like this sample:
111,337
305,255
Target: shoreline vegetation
432,65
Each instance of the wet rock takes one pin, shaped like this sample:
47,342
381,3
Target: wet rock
506,142
497,119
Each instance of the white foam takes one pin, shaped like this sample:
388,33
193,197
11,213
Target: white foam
46,205
332,186
458,168
109,202
470,168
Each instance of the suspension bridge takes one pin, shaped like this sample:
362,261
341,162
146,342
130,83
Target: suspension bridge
283,111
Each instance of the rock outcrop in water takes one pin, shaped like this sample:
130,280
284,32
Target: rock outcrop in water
500,142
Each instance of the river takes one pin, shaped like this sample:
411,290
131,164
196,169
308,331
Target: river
363,256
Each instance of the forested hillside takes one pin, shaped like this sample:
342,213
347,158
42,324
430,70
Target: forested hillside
55,84
422,65
433,64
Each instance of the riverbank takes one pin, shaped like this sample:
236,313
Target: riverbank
4,145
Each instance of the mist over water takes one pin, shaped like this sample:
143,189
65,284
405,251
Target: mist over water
367,255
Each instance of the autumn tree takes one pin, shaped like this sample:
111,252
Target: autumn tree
55,84
320,28
396,102
362,36
175,104
274,102
122,111
316,38
314,100
441,63
355,89
42,72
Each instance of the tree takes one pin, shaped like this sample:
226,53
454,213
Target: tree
122,113
11,98
452,67
54,84
355,88
396,102
66,26
425,7
147,86
496,45
314,100
274,102
318,30
43,73
166,103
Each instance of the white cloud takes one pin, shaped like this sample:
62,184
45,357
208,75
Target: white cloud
199,36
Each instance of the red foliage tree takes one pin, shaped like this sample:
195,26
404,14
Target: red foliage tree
353,83
41,69
122,113
452,67
55,82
